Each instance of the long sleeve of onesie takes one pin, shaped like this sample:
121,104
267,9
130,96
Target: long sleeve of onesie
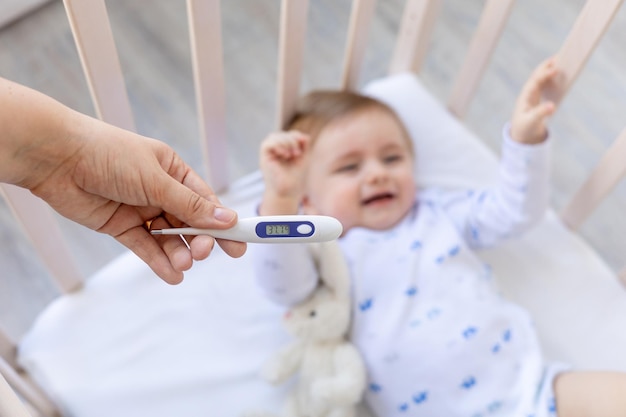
516,203
285,272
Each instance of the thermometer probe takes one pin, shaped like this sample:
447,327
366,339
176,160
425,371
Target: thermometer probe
270,229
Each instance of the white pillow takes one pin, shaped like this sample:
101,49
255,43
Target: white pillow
130,345
448,154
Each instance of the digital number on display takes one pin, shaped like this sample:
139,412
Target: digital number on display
277,229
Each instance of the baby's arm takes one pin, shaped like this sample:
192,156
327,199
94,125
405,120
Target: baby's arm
283,162
285,272
521,197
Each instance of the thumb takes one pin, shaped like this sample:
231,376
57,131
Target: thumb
198,208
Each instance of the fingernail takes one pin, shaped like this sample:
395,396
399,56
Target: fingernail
224,215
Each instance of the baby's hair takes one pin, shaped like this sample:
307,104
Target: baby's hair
319,108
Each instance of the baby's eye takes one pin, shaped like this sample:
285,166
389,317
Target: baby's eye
390,159
312,313
348,167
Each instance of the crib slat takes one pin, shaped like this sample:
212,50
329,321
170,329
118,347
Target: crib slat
360,18
10,404
95,44
90,25
7,348
610,170
31,394
588,29
493,19
208,69
36,217
418,22
293,19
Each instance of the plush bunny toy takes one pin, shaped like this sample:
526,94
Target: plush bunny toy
331,375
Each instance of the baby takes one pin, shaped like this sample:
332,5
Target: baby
437,338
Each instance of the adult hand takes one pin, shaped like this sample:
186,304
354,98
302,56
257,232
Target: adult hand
110,180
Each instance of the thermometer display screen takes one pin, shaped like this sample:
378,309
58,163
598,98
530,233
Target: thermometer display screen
285,229
277,229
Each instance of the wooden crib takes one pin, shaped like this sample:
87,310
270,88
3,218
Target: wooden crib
98,53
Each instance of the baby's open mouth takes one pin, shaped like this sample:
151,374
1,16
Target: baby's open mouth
378,198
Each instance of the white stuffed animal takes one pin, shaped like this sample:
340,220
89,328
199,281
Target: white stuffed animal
330,373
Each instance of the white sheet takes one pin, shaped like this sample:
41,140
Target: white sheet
130,345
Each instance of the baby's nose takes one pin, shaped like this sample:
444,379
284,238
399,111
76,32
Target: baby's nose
376,172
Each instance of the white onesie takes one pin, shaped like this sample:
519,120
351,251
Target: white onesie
436,336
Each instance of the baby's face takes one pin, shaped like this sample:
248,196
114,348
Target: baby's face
361,172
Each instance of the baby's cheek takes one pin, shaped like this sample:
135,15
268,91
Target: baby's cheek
343,209
336,200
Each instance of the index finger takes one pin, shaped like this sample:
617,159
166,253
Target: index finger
204,210
193,202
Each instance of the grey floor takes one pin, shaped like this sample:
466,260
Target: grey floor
38,51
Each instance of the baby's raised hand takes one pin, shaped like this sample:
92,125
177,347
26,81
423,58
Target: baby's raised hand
528,124
283,162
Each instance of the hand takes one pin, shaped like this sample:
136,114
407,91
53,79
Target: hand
109,179
116,181
283,163
528,124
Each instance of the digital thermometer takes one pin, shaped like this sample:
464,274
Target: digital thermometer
270,229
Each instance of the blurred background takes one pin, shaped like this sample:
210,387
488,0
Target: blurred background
37,50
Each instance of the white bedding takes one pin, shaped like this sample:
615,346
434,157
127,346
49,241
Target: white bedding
130,345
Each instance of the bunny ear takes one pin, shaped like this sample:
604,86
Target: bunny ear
332,267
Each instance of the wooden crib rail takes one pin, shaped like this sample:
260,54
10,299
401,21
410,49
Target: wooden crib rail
482,46
360,18
27,390
22,384
42,228
208,70
94,40
96,46
588,29
607,174
8,348
609,171
90,25
10,404
418,21
292,43
293,18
